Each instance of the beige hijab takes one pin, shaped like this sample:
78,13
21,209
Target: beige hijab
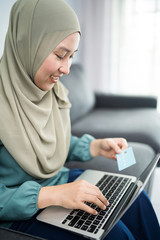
35,124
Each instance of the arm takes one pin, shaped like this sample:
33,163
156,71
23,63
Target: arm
18,199
22,199
80,148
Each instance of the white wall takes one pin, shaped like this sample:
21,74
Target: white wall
5,7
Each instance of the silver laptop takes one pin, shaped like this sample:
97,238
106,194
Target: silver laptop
120,190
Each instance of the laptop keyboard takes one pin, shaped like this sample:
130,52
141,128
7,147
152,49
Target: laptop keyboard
112,188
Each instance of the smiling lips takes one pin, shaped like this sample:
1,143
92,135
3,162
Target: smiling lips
54,79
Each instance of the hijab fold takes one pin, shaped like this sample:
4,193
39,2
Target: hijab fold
35,124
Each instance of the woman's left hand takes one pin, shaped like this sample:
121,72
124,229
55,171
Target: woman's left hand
108,147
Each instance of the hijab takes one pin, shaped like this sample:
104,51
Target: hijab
35,124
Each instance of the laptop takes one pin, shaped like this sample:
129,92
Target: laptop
120,190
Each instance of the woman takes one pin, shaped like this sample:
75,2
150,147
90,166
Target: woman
42,38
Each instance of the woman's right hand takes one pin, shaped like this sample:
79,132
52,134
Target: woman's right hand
72,196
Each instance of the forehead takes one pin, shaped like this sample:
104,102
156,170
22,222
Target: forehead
69,44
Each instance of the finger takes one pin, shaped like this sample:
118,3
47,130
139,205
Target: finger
96,201
94,195
87,188
119,144
115,146
123,143
109,154
101,197
114,157
83,206
95,191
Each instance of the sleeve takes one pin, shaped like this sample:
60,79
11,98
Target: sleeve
19,203
80,148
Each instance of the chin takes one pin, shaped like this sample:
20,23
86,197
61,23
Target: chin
48,87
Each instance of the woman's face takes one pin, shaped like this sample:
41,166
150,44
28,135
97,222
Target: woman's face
57,63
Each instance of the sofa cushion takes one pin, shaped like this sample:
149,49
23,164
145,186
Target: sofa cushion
138,125
80,94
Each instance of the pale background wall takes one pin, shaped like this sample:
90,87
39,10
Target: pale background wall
5,7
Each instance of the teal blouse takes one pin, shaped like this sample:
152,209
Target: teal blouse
19,191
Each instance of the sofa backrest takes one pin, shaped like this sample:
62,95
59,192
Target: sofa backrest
81,95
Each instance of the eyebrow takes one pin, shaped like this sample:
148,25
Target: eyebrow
65,49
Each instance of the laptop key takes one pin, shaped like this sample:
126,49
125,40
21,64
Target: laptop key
88,222
64,221
99,217
102,213
92,217
79,224
73,221
96,231
84,217
96,222
84,227
80,213
69,217
91,228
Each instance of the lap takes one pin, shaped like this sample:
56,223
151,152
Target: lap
50,232
126,228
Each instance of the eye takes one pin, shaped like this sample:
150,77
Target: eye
71,57
59,57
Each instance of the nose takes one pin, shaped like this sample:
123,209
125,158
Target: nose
65,67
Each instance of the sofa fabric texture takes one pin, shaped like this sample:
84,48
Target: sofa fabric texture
82,97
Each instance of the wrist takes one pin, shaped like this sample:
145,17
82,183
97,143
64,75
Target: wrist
44,197
95,147
50,196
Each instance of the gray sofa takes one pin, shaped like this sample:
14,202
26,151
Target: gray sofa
132,117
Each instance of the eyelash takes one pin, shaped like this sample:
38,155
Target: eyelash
61,58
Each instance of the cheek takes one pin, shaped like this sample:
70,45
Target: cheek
50,65
47,68
50,68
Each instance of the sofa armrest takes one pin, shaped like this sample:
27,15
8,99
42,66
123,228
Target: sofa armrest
124,101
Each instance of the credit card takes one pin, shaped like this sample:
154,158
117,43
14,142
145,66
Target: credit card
125,159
